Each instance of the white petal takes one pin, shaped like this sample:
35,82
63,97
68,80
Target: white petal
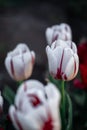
51,60
33,56
58,52
49,34
11,113
54,98
53,94
68,53
23,47
76,59
72,45
19,67
69,70
8,65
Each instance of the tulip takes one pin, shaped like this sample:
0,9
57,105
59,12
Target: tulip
36,107
1,103
19,62
63,61
62,31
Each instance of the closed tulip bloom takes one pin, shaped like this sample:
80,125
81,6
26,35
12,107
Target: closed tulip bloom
63,62
19,62
36,107
62,31
1,103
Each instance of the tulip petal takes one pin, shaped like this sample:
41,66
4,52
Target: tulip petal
69,70
51,60
8,66
49,34
11,113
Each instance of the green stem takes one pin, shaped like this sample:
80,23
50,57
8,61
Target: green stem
63,103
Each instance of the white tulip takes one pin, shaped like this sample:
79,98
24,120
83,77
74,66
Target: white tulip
62,31
36,107
63,60
19,62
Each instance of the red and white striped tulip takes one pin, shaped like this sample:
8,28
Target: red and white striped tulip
36,107
19,62
1,103
63,61
62,31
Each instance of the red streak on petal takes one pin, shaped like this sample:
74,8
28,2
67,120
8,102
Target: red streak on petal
59,70
34,100
54,38
48,124
58,75
12,67
65,77
17,121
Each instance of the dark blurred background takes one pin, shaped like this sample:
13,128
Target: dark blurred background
25,21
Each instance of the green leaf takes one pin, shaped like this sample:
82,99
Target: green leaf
9,95
54,81
69,121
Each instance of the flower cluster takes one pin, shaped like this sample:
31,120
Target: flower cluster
37,106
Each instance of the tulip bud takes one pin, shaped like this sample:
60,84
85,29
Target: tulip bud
19,62
62,31
36,107
63,61
1,103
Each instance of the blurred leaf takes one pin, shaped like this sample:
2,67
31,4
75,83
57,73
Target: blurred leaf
80,98
69,122
9,95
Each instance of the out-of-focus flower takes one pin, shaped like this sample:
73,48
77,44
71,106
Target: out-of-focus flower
1,103
62,31
63,61
82,53
19,62
78,84
83,72
1,128
36,107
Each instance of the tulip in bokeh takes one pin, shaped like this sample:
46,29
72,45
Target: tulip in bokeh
82,53
62,31
63,61
19,62
36,107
